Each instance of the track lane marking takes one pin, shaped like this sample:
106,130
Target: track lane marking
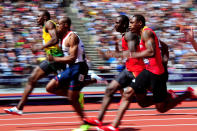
105,121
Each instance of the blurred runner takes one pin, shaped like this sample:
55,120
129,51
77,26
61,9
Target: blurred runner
50,45
130,43
70,82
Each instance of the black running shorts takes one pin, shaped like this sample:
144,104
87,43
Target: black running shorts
52,67
146,80
125,78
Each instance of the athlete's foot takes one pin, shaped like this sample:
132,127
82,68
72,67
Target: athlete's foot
193,92
107,128
95,76
173,95
13,111
92,121
99,79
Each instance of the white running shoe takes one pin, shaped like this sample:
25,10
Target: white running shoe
14,111
99,79
95,76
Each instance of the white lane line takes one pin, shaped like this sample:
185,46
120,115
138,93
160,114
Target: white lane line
161,125
13,119
77,122
86,111
48,123
126,115
64,129
163,119
140,126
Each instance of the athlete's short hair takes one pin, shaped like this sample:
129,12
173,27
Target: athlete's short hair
125,20
47,14
67,20
140,18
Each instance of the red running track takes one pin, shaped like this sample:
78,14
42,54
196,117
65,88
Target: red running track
62,117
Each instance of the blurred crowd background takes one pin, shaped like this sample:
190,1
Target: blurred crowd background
165,17
19,30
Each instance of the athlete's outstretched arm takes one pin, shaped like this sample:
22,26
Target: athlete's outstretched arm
149,40
73,48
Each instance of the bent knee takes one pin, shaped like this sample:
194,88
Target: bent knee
109,91
128,93
161,107
37,74
160,110
32,80
52,86
50,89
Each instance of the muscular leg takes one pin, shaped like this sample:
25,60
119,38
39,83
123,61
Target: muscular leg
170,103
167,104
37,74
73,97
127,96
111,89
144,100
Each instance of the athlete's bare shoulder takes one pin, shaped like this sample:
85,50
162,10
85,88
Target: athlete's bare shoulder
132,39
73,38
130,36
147,34
50,25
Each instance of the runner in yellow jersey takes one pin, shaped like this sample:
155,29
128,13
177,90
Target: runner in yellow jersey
50,45
53,50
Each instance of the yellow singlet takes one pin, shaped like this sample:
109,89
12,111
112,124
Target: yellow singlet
52,50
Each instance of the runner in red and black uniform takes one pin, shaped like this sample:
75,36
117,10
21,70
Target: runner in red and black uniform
152,78
130,43
132,64
129,93
153,75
